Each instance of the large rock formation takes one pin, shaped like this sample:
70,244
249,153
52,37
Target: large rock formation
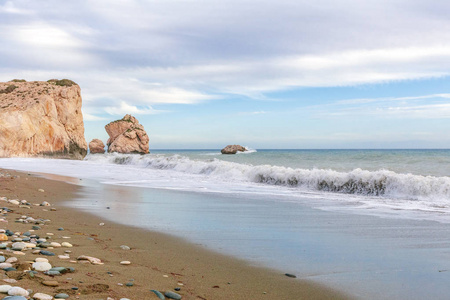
41,118
127,136
233,149
96,146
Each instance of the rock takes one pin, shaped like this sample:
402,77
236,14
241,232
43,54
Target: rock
233,149
3,237
61,296
172,295
158,294
41,296
19,246
127,136
42,118
96,146
290,275
92,260
125,262
18,291
5,265
55,245
48,253
41,266
4,288
50,283
129,284
124,247
66,244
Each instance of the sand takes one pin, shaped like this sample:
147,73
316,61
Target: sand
158,261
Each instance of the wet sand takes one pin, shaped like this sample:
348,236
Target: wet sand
158,261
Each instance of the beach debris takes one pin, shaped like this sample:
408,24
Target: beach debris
158,294
290,275
92,260
172,295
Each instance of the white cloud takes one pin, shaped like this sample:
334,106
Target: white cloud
124,108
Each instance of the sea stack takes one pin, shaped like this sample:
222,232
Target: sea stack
233,149
96,146
127,136
41,118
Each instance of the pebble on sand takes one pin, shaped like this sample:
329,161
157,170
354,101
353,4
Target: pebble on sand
42,296
18,291
172,295
125,262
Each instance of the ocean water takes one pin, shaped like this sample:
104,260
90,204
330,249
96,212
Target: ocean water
374,223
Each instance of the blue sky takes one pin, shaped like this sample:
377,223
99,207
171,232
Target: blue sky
265,74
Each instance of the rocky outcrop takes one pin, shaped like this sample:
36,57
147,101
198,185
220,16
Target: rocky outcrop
96,146
233,149
41,118
127,136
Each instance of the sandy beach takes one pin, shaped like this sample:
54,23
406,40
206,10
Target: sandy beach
158,261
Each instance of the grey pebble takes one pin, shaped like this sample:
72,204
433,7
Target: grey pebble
158,294
48,253
129,284
290,275
172,295
61,296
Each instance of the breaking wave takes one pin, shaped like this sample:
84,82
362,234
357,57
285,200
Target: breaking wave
383,183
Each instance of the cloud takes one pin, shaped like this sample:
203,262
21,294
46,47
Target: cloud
125,108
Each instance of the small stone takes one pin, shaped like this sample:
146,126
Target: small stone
10,280
102,224
41,266
53,273
3,246
18,253
10,269
290,275
61,296
42,296
74,288
67,245
158,294
177,289
18,291
48,253
5,265
55,244
3,237
50,283
52,209
172,295
41,259
4,288
61,229
15,298
45,203
2,259
125,247
63,256
35,227
41,190
125,262
19,246
129,284
12,260
92,260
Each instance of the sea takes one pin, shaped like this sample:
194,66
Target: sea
372,223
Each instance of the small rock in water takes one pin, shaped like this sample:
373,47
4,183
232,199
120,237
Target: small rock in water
172,295
158,294
290,275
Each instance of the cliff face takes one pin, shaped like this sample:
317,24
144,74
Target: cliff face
41,118
127,136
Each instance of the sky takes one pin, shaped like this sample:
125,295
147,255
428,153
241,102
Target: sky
264,74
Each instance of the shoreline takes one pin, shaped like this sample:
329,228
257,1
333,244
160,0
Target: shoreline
158,261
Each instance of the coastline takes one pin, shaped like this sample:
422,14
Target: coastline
158,261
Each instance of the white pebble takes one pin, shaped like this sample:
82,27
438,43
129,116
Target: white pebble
5,265
18,291
41,296
41,259
66,244
4,288
41,266
125,262
12,260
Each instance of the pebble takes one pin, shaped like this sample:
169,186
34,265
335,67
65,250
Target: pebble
67,245
48,253
4,288
158,294
63,256
50,283
2,258
18,253
60,229
129,284
12,260
125,247
15,298
172,295
125,262
18,246
5,265
41,259
42,296
3,246
290,275
61,296
92,260
41,190
55,244
35,227
3,237
18,291
53,273
41,266
10,280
